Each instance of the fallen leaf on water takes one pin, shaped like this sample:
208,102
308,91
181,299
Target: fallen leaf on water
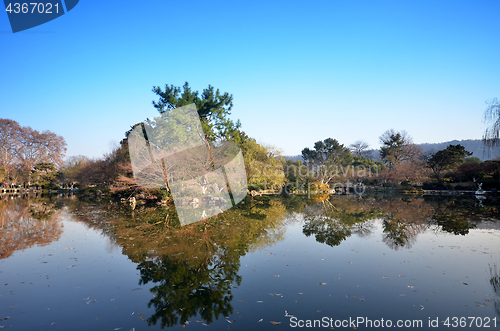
322,283
275,323
274,294
260,320
276,276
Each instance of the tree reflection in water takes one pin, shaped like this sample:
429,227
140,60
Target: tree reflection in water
194,268
24,223
404,219
495,284
333,220
186,288
457,217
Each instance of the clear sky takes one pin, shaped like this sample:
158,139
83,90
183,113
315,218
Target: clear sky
299,71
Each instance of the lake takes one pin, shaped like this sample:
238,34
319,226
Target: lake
331,262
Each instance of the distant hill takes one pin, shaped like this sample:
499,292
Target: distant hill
475,146
293,158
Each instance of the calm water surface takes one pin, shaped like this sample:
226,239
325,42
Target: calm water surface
73,265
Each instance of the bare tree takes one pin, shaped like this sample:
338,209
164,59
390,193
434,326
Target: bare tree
9,143
53,148
491,136
28,153
360,148
113,167
21,148
36,147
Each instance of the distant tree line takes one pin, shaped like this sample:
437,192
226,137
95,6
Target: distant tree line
402,163
328,163
113,171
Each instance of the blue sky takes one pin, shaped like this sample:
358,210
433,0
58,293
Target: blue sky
299,71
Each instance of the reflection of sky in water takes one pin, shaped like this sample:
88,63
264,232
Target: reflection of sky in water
82,281
58,284
440,275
